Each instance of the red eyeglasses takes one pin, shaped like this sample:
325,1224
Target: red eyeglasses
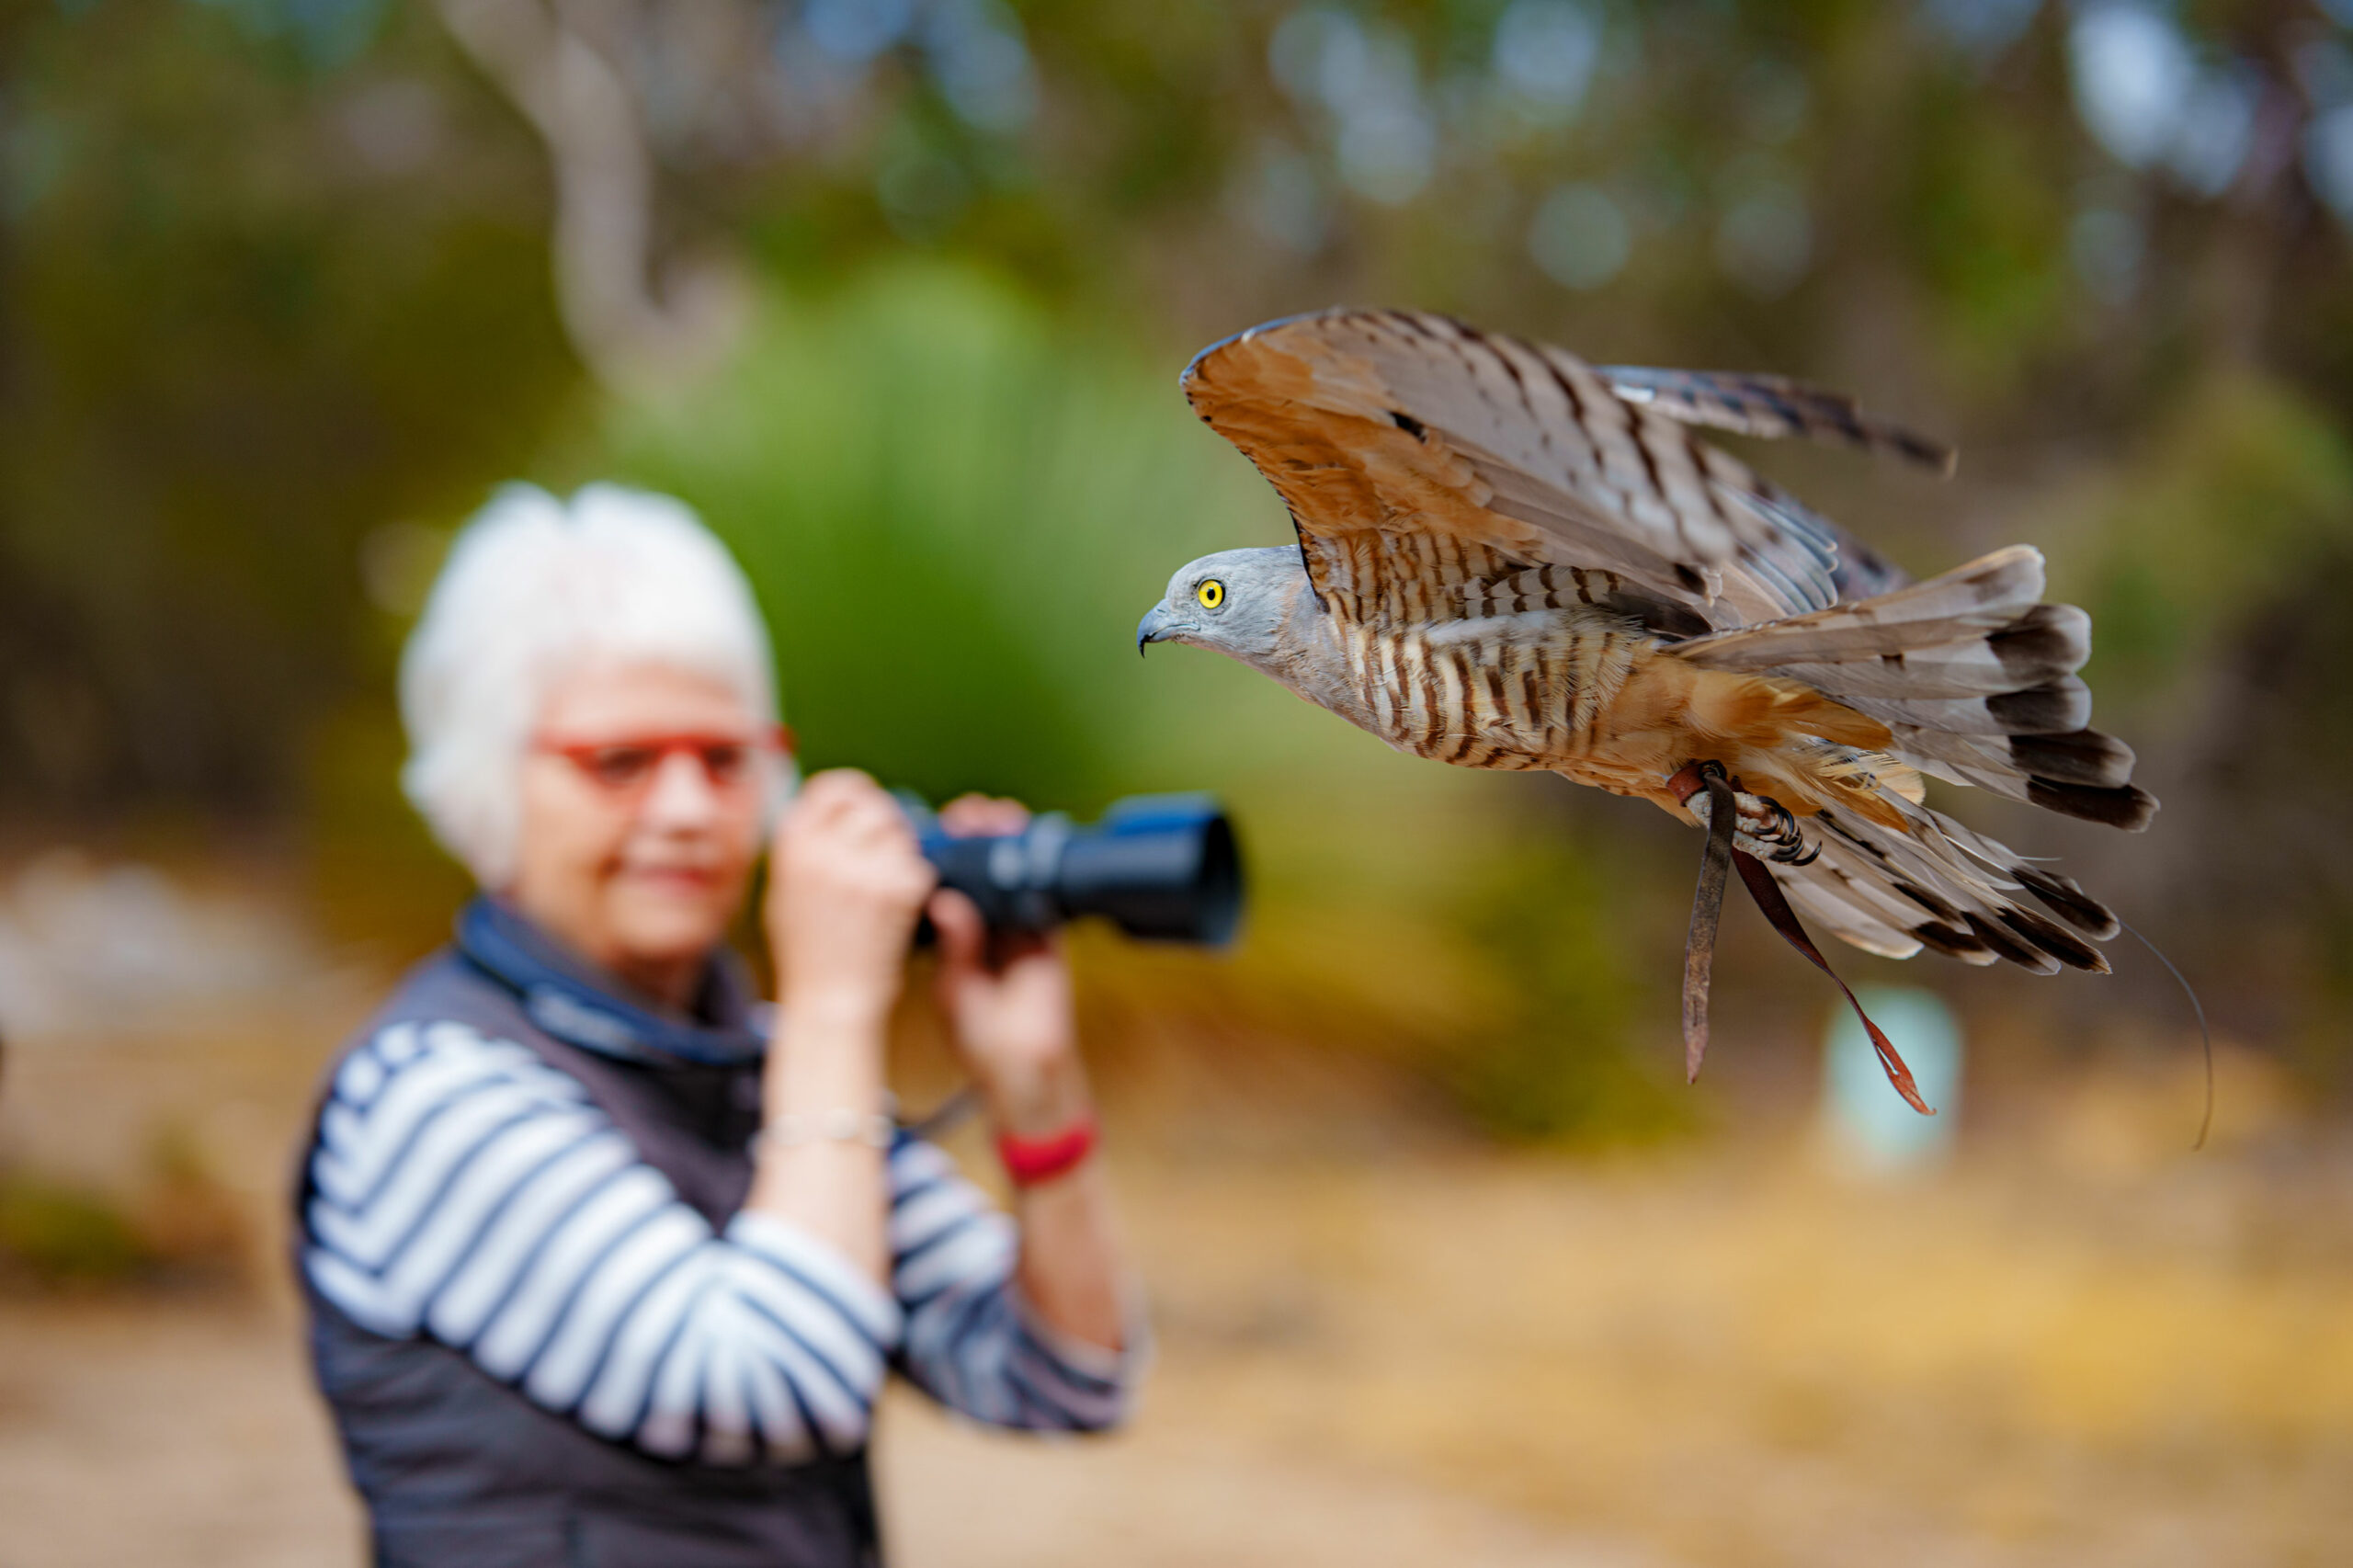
628,765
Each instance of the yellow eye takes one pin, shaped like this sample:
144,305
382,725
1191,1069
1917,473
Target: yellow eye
1211,592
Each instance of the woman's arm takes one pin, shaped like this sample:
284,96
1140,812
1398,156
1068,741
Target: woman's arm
463,1188
1011,1013
974,1340
846,884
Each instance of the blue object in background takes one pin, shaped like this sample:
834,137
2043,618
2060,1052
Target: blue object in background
1863,1116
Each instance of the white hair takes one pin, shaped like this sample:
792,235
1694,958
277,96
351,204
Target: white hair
532,587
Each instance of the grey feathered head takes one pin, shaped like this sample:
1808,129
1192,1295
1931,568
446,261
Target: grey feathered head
1237,602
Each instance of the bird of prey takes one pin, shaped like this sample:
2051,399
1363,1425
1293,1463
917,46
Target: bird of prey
1508,558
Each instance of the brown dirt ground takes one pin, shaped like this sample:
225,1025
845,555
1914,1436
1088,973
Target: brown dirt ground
2081,1347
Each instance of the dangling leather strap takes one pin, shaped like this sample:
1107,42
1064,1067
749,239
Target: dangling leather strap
1775,904
1707,908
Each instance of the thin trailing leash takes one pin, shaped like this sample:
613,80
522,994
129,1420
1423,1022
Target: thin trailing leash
2205,1034
945,1117
1707,909
1776,904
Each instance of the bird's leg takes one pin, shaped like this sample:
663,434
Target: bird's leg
1762,826
1704,789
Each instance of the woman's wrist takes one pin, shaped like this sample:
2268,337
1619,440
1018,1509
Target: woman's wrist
1034,1161
835,1009
1044,1120
827,1056
1038,1100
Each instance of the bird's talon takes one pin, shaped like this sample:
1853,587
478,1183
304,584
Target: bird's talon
1773,831
1765,828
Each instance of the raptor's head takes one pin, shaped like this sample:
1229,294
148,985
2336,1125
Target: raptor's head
1236,602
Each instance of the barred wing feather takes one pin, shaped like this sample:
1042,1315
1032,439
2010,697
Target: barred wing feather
1398,438
1770,407
1436,473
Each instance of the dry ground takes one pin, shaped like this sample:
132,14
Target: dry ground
2078,1347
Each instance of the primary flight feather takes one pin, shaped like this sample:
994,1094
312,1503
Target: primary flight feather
1508,558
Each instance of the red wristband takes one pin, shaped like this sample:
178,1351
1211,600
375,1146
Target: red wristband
1030,1161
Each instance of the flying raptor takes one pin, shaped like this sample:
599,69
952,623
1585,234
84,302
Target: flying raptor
1508,558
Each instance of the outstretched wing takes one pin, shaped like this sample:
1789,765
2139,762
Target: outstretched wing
1435,471
1769,406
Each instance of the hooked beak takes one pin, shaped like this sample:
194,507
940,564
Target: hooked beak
1157,626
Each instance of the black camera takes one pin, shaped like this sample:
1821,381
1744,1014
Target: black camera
1163,868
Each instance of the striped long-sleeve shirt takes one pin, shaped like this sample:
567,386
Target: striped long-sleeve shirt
462,1189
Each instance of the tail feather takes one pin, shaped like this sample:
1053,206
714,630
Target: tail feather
1854,900
2074,757
1828,903
1974,677
2070,903
2123,805
2051,937
2054,708
1989,596
2001,866
2079,756
2128,807
2043,647
2016,949
1864,883
1957,944
1941,886
2047,640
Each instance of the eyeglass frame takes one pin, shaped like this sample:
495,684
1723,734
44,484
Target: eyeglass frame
773,740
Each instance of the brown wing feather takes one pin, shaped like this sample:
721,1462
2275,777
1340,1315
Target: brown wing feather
1376,425
1770,407
1319,429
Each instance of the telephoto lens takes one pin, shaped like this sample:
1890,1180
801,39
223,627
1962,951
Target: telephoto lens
1162,868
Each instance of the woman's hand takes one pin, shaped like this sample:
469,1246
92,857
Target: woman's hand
1009,1005
845,885
1008,999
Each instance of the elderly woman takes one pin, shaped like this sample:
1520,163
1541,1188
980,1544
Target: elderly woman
602,1267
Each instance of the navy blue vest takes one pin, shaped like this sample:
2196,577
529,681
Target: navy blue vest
459,1470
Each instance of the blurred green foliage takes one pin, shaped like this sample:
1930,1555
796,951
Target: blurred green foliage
57,1234
229,348
180,1227
955,510
2245,487
1563,1057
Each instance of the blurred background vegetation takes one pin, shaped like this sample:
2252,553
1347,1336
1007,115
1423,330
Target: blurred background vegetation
896,291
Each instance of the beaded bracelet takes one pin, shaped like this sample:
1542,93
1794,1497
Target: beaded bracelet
840,1125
